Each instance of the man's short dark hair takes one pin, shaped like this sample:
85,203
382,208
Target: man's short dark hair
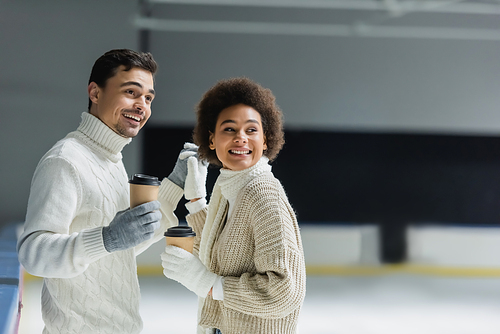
107,65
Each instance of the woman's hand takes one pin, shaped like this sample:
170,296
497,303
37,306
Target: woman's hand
187,269
197,169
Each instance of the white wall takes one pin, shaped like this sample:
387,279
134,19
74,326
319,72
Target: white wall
341,83
375,84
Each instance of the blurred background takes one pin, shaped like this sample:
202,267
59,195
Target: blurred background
392,126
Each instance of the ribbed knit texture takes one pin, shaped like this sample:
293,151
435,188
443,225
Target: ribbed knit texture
259,253
227,186
78,187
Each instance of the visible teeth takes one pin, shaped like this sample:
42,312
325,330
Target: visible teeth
133,117
240,152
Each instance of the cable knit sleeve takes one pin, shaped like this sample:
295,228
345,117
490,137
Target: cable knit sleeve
277,288
169,196
47,248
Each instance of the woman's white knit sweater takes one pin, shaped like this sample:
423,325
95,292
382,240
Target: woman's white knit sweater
259,253
77,188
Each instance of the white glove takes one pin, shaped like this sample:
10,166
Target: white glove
196,177
187,269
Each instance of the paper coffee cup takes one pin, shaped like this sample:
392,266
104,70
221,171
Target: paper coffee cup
143,189
181,236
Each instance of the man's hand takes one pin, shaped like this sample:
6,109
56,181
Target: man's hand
131,227
178,175
190,173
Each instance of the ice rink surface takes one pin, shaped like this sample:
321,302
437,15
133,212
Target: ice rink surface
378,304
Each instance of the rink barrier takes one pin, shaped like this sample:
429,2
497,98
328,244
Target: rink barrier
386,269
352,251
10,281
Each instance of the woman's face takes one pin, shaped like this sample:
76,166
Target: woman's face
238,140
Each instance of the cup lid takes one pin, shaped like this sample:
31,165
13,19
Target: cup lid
180,231
144,179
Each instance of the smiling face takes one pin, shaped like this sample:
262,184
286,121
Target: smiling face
238,139
124,103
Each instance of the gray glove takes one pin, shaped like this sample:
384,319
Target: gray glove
178,175
130,227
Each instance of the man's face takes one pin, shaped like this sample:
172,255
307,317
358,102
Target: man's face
124,104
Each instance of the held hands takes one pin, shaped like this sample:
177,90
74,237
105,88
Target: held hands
131,227
187,269
190,173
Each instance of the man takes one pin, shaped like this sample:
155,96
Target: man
79,233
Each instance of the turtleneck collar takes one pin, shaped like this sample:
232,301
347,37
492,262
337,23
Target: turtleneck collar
102,137
231,182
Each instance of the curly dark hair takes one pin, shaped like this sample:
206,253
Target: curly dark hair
227,93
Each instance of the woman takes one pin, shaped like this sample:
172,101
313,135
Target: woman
250,271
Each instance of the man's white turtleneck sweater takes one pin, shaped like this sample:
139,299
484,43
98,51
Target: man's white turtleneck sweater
78,187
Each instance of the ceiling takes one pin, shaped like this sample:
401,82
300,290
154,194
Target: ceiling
427,19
